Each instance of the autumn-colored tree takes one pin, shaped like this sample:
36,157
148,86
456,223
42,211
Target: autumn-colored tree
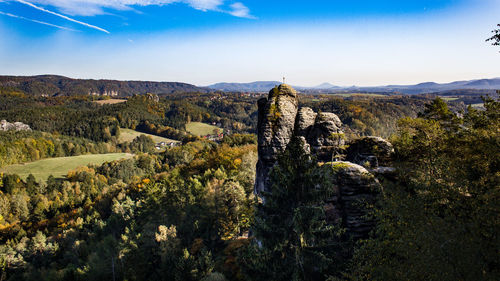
439,221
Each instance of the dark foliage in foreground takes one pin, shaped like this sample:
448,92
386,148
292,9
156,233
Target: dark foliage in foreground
440,220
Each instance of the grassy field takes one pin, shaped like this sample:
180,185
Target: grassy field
59,167
348,95
449,98
110,101
127,135
201,129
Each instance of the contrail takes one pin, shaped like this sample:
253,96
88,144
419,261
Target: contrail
62,16
37,21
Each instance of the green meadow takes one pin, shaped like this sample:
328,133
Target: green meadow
60,166
348,95
128,135
449,98
201,129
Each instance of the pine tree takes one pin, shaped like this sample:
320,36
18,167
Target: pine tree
292,239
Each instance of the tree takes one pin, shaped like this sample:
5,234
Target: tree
439,221
143,143
495,38
437,110
229,200
292,239
11,183
31,184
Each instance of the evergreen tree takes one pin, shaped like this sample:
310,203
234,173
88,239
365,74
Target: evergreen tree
440,220
292,239
31,184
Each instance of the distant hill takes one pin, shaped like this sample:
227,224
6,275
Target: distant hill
431,87
263,86
485,83
52,85
325,86
258,86
422,88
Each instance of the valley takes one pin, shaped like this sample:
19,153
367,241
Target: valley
169,184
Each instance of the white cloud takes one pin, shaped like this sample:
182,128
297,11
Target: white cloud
240,10
96,7
35,21
205,5
62,16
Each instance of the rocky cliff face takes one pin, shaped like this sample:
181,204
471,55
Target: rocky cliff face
275,129
352,182
353,186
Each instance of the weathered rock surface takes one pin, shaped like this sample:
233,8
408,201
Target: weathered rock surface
305,121
370,152
279,119
275,128
16,126
325,136
324,129
352,184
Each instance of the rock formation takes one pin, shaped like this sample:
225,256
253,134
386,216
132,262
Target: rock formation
16,126
370,152
280,119
373,153
353,186
275,128
110,93
352,182
325,136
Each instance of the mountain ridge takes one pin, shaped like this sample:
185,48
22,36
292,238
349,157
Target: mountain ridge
56,85
420,88
257,86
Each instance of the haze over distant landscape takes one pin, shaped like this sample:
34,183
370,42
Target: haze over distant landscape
363,43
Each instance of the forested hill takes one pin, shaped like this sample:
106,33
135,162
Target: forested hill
52,85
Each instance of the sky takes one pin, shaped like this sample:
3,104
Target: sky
355,42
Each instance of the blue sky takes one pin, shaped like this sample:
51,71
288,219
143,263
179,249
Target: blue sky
344,42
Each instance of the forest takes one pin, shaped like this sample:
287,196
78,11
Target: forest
189,212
